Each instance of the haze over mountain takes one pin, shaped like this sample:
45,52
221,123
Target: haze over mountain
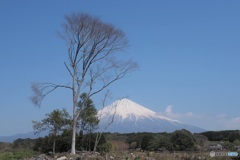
127,116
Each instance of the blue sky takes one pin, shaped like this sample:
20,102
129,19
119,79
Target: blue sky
187,51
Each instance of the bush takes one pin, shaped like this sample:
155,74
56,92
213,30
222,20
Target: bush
182,140
44,145
104,148
16,155
24,143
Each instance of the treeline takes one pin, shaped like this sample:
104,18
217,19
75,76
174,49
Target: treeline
180,140
62,143
227,135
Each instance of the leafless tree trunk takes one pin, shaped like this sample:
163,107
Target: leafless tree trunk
54,145
94,51
99,134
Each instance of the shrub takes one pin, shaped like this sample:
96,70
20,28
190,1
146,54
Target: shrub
16,155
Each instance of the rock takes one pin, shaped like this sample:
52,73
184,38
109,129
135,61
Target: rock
62,158
42,157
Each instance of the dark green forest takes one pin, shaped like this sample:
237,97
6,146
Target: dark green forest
228,135
180,140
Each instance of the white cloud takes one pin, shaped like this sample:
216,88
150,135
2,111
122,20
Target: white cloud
206,121
169,109
171,114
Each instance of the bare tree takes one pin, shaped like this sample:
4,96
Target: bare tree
111,119
94,51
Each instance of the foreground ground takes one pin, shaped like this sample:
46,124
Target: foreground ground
125,155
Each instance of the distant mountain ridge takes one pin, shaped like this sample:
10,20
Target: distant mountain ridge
128,116
30,135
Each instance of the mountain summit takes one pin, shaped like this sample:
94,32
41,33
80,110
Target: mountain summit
126,109
127,116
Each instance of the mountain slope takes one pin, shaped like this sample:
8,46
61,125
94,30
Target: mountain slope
128,116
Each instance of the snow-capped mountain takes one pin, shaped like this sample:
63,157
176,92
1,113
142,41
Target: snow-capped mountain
126,116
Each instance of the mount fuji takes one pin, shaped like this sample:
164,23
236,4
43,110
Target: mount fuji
126,116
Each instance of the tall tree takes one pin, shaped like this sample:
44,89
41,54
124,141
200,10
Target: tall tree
88,120
55,122
94,51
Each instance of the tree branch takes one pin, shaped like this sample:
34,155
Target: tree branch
68,69
41,90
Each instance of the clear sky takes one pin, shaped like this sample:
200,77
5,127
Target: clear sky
188,54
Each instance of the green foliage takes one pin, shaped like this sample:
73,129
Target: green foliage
164,143
63,142
137,139
228,135
89,142
56,121
158,143
233,136
88,120
146,141
149,141
24,143
104,148
182,140
43,145
133,145
17,155
152,145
